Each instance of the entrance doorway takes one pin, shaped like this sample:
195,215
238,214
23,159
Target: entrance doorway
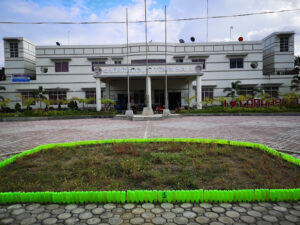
174,100
122,101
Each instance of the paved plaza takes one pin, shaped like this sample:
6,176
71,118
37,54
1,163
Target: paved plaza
279,132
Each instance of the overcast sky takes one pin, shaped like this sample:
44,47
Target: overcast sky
250,27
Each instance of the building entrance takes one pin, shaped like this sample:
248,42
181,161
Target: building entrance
122,101
174,100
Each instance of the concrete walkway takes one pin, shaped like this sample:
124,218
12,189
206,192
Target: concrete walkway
279,132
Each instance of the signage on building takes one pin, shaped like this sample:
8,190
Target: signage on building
97,70
141,70
20,78
256,103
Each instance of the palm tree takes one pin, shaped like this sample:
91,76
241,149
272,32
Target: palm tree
2,88
235,87
295,83
39,95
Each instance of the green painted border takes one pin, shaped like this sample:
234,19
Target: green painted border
250,195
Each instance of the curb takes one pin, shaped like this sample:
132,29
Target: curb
200,195
239,114
13,119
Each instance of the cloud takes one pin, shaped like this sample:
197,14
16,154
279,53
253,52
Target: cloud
251,28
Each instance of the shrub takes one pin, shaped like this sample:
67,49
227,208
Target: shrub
17,107
73,105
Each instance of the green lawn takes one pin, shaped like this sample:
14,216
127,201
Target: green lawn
161,166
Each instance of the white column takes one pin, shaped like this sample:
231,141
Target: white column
191,91
199,92
148,90
98,93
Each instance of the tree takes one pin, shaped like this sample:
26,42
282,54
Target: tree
108,104
2,88
4,103
235,87
85,101
297,60
39,95
188,100
295,83
47,102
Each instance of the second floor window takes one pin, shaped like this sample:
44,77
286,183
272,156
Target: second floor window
61,67
179,60
236,63
14,50
118,62
199,61
97,63
284,44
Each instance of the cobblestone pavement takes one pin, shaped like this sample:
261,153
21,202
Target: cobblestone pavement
165,213
279,132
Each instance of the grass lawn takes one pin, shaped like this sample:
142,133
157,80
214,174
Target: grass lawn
160,166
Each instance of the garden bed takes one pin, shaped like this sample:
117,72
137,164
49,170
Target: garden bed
148,166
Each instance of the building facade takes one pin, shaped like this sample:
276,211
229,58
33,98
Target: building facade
67,71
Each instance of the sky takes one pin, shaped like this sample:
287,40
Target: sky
250,27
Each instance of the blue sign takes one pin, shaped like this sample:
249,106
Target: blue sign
20,78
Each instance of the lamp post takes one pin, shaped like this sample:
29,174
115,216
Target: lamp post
231,28
166,111
128,112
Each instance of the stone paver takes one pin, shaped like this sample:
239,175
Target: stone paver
282,133
150,213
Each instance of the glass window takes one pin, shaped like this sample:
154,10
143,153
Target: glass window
55,96
61,66
179,60
236,63
118,62
272,91
14,51
284,44
91,94
246,91
26,95
96,63
199,61
207,92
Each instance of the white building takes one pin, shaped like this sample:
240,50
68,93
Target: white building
67,70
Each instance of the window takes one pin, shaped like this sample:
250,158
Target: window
207,92
236,63
118,62
91,94
272,91
199,61
96,63
179,60
284,44
246,91
14,52
143,61
26,95
61,66
56,96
